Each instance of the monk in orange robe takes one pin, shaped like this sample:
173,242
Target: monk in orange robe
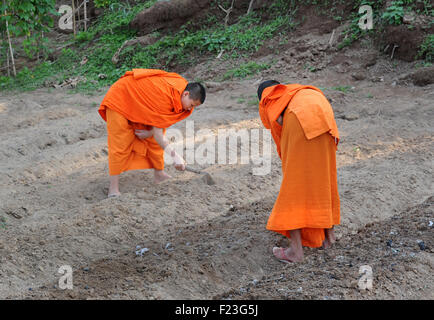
303,127
138,108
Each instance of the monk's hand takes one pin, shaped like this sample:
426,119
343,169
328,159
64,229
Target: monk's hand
179,162
280,120
143,134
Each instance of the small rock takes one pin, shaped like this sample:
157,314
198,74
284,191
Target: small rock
358,76
421,245
214,86
350,116
408,18
370,59
141,251
422,227
377,79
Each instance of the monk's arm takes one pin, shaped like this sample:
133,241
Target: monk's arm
158,134
164,144
143,134
280,119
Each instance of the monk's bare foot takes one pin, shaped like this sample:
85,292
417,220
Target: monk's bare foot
160,176
113,191
287,255
113,195
330,238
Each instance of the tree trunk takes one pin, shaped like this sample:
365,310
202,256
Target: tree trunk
10,46
250,6
73,16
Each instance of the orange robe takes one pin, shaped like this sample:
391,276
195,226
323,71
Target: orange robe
306,143
138,100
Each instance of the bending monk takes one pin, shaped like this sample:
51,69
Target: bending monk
138,108
303,127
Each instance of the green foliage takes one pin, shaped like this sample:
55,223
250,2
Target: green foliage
118,16
102,3
245,70
84,36
2,223
253,102
307,66
353,32
27,79
186,45
391,15
427,49
344,89
104,38
246,36
394,13
29,18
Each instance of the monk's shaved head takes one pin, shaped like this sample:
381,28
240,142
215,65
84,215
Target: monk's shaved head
266,84
197,91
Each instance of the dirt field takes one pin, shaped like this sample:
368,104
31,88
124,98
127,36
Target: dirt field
210,242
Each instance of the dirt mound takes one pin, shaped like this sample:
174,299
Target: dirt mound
393,250
167,14
423,76
403,42
172,14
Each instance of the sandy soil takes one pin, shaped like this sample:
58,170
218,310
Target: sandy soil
210,242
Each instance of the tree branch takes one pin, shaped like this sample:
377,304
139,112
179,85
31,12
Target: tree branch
228,12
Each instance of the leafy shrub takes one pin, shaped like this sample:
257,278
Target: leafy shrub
245,70
394,13
427,49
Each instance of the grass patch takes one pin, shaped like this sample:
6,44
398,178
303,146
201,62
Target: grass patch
344,89
392,15
182,47
2,223
427,49
245,70
253,102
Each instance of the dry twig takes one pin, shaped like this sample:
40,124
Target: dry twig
228,12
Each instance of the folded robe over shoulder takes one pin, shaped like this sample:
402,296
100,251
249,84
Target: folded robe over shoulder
315,119
147,96
306,143
138,100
